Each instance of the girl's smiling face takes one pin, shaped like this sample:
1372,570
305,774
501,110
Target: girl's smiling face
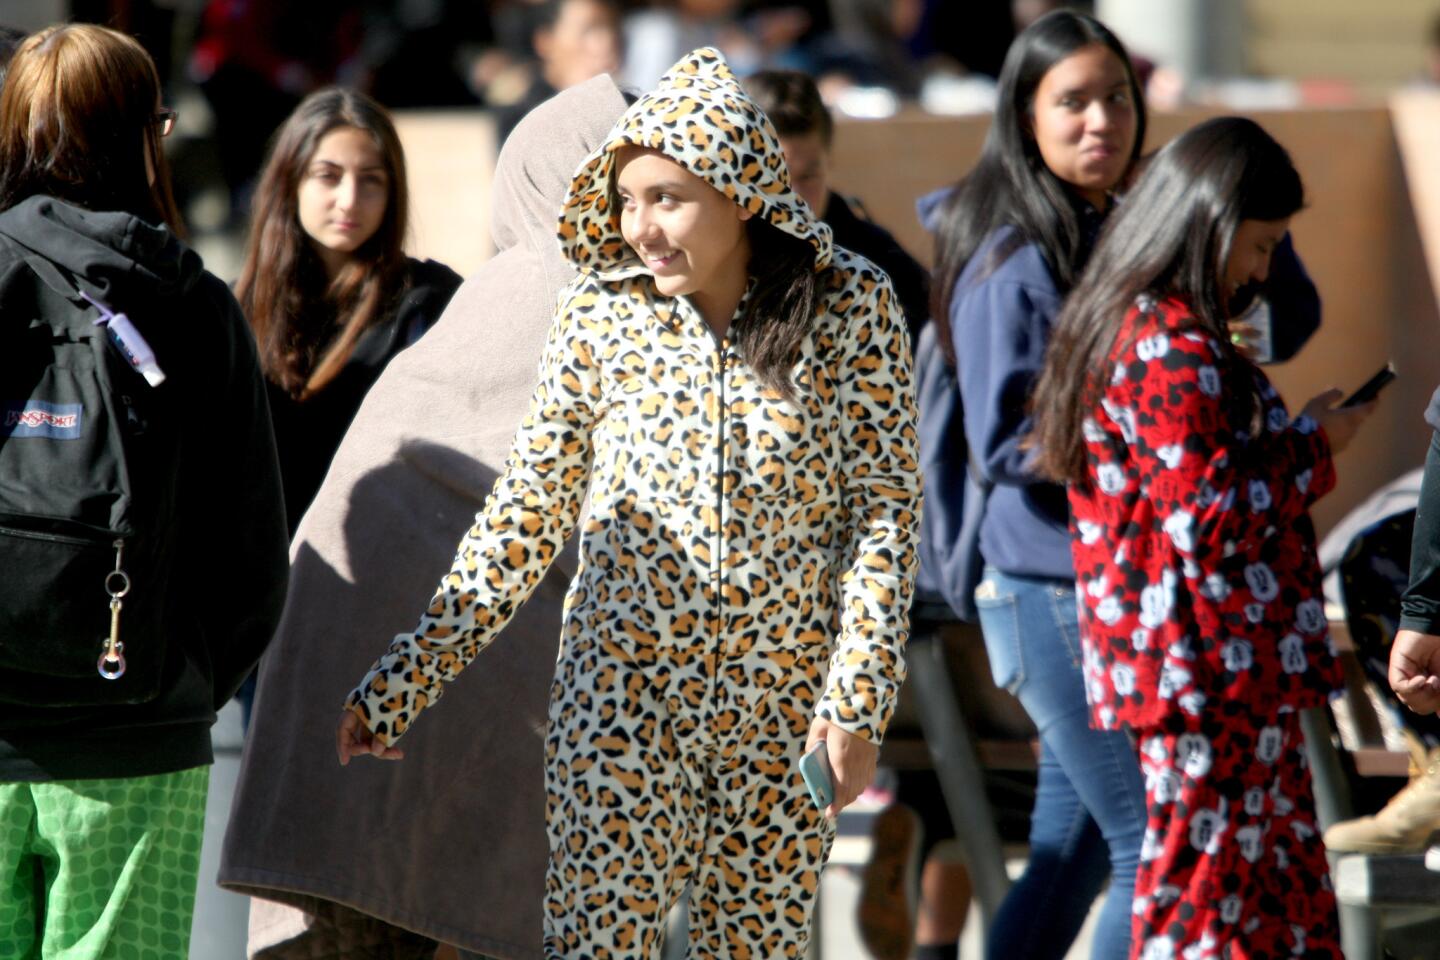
343,194
689,235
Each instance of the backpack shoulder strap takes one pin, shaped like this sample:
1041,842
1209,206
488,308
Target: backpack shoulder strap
57,279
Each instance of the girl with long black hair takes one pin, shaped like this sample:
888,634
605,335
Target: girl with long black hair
1190,487
1012,237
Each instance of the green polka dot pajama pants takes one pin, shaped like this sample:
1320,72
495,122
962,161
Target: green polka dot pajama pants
100,869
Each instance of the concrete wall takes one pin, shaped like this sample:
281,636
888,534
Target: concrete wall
1370,238
1373,46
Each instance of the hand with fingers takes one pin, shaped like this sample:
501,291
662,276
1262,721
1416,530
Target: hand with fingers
354,739
1415,670
852,762
1340,423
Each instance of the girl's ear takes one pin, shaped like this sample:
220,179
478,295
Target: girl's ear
744,214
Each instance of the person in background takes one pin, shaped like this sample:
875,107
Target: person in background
869,46
659,33
1011,239
807,131
9,42
416,53
792,102
1203,623
1367,559
573,40
325,284
1415,654
102,803
416,464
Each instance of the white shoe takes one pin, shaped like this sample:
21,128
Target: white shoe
1432,858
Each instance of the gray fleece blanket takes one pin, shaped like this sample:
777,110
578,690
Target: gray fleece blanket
450,842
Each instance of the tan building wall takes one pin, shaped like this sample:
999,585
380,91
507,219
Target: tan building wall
1374,45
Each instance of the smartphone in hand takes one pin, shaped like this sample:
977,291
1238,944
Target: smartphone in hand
1372,387
815,768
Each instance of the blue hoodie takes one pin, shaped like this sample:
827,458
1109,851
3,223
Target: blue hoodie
1000,322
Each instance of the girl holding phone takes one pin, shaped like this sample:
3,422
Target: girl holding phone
1190,487
734,394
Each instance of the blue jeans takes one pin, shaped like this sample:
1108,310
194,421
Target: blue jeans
1089,814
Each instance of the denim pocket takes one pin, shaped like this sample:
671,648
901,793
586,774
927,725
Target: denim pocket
1067,623
1000,624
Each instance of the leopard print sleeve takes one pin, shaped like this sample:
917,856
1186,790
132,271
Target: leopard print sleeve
882,500
531,511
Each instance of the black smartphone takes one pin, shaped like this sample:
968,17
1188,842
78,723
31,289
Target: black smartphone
1372,387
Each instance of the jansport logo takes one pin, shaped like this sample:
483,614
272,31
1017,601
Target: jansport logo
41,418
35,418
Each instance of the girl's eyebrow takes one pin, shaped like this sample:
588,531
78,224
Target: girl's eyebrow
661,187
321,162
1086,88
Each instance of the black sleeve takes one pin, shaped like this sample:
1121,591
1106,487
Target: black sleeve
1420,608
235,516
1294,303
1432,410
912,288
432,286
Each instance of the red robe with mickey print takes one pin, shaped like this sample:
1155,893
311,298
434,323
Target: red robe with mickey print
1204,631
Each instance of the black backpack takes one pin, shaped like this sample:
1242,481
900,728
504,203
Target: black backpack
89,452
955,493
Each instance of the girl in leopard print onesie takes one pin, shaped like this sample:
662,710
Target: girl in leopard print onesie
735,394
1190,487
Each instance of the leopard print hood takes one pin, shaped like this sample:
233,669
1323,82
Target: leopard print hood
700,117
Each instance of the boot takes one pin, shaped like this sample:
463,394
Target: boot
1406,824
885,913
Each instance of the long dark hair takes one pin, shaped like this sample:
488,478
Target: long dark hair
1170,238
1010,184
291,305
77,120
781,309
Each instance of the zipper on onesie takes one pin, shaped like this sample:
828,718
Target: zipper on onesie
722,347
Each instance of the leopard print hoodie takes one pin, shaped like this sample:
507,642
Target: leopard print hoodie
732,537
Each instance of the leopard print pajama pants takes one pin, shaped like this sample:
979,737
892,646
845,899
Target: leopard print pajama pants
673,767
